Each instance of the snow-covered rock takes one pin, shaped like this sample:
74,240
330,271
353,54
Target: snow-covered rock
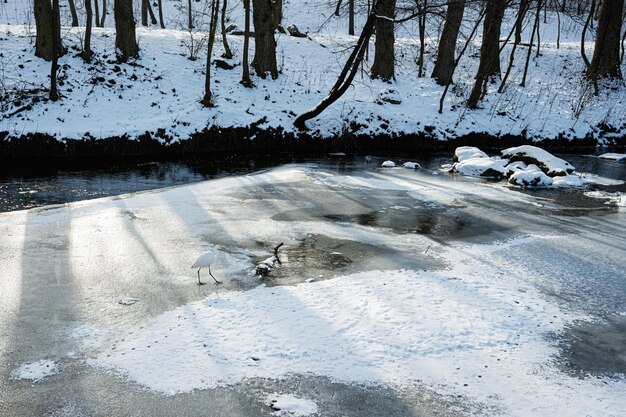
532,176
388,164
467,152
411,165
516,166
543,159
480,167
614,156
567,181
391,96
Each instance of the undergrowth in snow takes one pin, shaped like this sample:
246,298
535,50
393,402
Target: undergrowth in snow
160,92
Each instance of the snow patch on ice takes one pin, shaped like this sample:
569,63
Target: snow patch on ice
289,405
35,371
613,156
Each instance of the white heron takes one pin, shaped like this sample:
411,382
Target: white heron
205,261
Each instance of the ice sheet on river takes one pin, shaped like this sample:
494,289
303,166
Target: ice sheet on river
466,314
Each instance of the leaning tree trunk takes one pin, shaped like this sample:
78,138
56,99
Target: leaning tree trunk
86,54
383,66
44,21
73,13
489,64
265,45
344,81
125,38
447,44
606,56
519,24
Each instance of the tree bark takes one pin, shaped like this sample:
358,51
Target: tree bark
278,11
489,64
86,55
125,38
228,54
207,100
55,33
422,34
245,77
44,22
144,13
73,13
104,12
383,66
161,19
351,17
606,54
97,10
189,15
530,46
447,43
519,24
265,45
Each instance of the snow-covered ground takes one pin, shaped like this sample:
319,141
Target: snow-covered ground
474,306
163,88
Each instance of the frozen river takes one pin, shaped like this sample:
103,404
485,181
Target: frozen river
401,293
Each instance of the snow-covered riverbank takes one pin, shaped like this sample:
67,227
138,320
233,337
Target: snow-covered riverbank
158,95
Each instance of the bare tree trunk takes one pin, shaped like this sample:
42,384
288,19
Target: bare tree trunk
44,22
519,23
153,18
347,73
189,15
265,45
207,100
447,43
125,38
383,66
458,59
144,12
245,77
73,13
530,46
161,20
104,12
97,10
278,11
351,17
422,34
55,32
337,9
489,64
228,54
87,44
606,54
520,17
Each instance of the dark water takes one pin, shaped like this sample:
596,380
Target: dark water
27,186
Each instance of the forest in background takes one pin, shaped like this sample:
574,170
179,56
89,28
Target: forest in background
170,69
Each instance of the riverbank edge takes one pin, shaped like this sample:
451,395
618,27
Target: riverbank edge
251,139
